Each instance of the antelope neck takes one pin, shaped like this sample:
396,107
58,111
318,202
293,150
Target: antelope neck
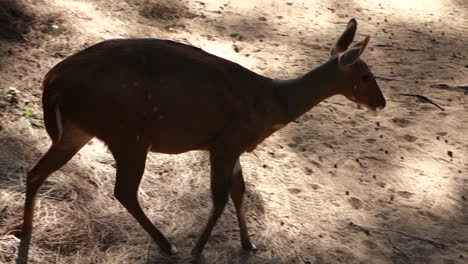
299,95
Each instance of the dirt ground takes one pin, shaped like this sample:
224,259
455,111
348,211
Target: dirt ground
338,186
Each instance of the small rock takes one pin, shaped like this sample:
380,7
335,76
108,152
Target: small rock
410,138
297,140
315,186
369,244
381,184
295,190
355,202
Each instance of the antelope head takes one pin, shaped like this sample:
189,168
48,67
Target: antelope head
359,84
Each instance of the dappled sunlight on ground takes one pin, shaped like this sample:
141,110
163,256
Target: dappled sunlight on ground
338,186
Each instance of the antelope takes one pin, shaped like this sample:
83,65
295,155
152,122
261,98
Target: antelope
152,95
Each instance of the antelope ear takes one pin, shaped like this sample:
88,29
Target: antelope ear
349,57
362,44
346,38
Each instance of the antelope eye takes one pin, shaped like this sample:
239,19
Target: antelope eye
366,77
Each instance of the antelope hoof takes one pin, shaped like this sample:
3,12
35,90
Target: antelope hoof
169,249
173,250
195,253
249,247
197,259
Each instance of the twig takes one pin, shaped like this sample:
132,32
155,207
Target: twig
435,244
367,230
396,249
451,67
383,45
360,228
415,31
424,99
386,78
373,158
444,86
413,49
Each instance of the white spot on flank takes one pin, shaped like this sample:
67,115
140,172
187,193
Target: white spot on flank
137,138
237,168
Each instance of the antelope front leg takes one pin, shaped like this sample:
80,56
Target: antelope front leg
130,159
237,194
221,171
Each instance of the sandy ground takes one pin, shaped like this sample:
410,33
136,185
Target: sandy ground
338,186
